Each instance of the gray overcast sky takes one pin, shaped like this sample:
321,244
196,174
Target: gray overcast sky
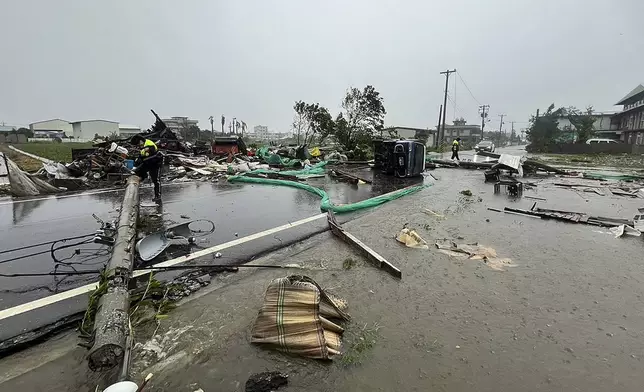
252,59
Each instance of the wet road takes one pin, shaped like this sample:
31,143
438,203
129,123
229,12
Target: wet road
237,211
568,316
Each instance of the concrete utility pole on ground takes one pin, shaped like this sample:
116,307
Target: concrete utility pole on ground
111,325
484,110
441,133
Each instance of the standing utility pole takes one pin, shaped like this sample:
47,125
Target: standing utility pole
484,110
500,128
234,129
441,133
512,132
438,127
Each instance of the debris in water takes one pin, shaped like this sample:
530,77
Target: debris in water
620,230
474,251
348,263
411,239
466,192
430,212
266,382
185,217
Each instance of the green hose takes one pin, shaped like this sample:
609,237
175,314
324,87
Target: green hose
326,204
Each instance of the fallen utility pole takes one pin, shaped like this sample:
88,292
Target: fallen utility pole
111,326
374,257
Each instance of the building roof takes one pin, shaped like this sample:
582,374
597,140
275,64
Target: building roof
633,96
128,127
411,129
44,121
471,126
82,121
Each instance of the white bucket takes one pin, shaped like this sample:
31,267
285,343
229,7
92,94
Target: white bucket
123,386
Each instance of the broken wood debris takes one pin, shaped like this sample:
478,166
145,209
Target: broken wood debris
349,238
348,177
570,216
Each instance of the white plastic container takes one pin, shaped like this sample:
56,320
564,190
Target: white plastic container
123,386
118,149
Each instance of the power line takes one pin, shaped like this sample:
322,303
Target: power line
468,89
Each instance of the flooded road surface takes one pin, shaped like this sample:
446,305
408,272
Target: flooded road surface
236,210
568,316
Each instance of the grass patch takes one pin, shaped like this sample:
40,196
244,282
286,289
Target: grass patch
59,152
593,160
362,342
24,162
349,263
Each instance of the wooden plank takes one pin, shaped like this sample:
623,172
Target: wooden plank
351,176
372,255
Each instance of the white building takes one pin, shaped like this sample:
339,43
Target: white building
261,132
410,133
128,130
56,125
90,128
179,123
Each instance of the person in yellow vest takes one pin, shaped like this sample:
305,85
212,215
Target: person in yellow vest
148,162
456,145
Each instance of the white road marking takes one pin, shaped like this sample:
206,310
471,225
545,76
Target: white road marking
39,303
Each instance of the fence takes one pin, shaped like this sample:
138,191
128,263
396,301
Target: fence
13,138
598,148
64,140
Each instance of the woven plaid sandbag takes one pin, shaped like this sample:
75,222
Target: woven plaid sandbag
290,319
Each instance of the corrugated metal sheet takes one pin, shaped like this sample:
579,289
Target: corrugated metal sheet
4,173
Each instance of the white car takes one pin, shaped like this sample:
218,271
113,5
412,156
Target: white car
602,141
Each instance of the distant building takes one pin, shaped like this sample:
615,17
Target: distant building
6,128
261,132
48,134
180,123
55,125
89,128
630,122
470,134
128,130
411,133
604,126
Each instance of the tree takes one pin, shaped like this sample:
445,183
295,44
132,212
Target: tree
362,117
544,130
311,120
299,121
583,122
23,131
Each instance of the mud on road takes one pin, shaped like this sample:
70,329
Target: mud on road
568,316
